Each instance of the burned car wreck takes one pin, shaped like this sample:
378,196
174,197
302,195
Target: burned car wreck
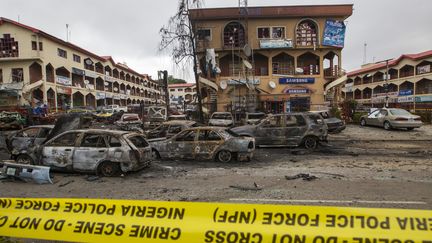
291,129
205,143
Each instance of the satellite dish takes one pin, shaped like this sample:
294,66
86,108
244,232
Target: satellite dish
299,70
272,84
106,83
115,89
218,70
247,64
89,62
247,50
223,84
86,81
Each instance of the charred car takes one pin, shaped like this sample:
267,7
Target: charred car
291,129
98,151
334,124
205,143
221,119
19,143
169,129
129,122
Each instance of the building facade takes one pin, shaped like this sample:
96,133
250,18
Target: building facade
37,68
408,84
181,94
272,59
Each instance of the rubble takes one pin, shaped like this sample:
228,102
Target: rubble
306,177
34,173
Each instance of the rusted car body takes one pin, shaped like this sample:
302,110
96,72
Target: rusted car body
20,142
221,119
205,143
169,129
106,152
291,129
334,124
129,122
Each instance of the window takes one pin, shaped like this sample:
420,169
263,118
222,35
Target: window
278,32
114,142
234,35
17,75
34,45
172,90
186,136
208,135
275,121
29,133
263,32
40,46
204,34
8,46
93,141
174,129
139,141
307,33
76,58
180,90
44,132
294,121
61,53
66,140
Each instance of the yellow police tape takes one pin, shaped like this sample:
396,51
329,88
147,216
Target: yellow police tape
94,220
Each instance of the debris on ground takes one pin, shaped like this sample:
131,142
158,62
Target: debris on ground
27,173
92,178
246,188
67,183
306,177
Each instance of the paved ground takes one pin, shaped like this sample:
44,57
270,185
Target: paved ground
362,167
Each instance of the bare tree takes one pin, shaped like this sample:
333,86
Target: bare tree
179,38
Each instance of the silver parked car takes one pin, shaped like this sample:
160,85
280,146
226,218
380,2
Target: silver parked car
20,142
291,129
105,152
391,118
221,119
205,143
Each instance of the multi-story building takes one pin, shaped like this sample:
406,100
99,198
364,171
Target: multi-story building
180,94
37,68
408,83
274,59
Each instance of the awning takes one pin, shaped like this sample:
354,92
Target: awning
209,83
30,87
336,82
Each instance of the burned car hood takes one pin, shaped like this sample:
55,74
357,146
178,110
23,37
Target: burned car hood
243,129
220,122
332,120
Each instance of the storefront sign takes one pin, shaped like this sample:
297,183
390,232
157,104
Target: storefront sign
405,99
277,43
64,90
116,96
243,81
108,95
390,94
123,97
405,92
78,71
109,79
100,96
296,80
423,99
296,91
64,80
91,74
12,86
334,33
90,86
424,69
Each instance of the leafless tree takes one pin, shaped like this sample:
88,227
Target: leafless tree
178,37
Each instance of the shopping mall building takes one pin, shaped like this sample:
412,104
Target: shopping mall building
272,59
38,68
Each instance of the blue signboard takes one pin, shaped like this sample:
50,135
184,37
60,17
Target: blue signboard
405,92
296,91
296,80
334,33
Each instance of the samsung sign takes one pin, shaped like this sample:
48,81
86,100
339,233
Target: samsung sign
405,92
296,91
296,80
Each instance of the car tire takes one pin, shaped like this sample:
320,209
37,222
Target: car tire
224,156
108,169
362,122
387,125
155,154
310,143
410,128
24,159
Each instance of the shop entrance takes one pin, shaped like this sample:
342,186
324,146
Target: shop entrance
299,104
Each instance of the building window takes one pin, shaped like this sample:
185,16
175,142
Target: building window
76,58
307,33
278,32
204,34
34,45
17,75
180,90
263,32
234,35
40,46
61,53
172,90
8,46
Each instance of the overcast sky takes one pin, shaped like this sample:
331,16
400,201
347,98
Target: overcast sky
128,30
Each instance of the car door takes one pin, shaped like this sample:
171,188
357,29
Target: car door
173,130
42,135
141,144
295,128
91,150
371,119
271,131
183,145
381,117
59,151
208,142
23,140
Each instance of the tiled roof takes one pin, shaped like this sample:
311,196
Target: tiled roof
391,63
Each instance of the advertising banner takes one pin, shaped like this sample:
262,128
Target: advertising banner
296,80
78,71
405,92
296,91
100,95
334,33
243,81
423,99
277,43
64,80
405,99
64,90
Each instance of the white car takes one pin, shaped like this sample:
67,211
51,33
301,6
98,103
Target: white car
221,119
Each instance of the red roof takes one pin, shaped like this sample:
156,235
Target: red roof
55,39
180,85
391,63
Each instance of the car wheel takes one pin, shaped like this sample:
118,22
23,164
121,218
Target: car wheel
310,143
155,154
363,122
410,128
224,156
387,125
109,169
24,159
